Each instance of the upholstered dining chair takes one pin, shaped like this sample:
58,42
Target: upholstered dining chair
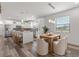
60,46
42,47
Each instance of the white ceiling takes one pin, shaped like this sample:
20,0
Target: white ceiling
20,10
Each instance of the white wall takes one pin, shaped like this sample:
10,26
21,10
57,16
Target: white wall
73,36
40,25
1,27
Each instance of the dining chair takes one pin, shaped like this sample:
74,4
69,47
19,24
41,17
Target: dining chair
60,46
42,47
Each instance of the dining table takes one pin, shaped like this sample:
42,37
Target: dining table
50,38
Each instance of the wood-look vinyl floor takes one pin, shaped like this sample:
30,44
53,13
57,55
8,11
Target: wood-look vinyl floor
9,49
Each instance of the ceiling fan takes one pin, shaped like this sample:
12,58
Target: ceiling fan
51,5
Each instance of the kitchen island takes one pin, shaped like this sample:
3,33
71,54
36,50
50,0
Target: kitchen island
22,36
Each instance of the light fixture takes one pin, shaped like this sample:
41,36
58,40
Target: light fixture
31,18
52,6
34,24
51,21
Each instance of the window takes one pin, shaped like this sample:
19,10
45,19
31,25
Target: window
63,24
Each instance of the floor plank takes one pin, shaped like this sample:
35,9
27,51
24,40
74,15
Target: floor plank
9,49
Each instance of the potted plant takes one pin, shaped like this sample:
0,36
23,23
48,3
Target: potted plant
45,29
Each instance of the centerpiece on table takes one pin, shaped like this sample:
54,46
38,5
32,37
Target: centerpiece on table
45,29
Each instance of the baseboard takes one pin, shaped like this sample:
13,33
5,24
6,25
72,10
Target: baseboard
72,44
